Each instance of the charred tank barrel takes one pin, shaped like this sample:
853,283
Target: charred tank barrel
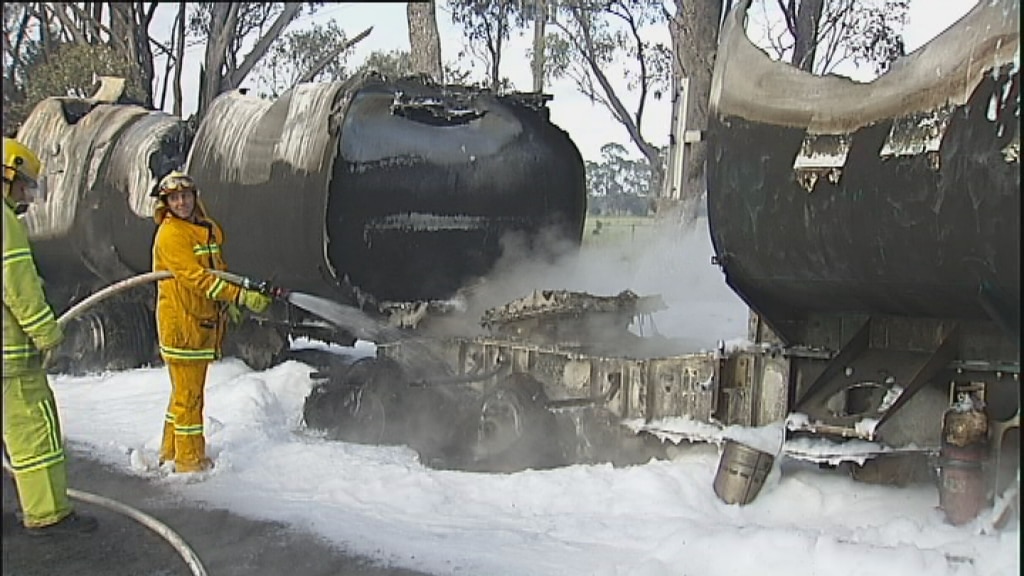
400,190
100,161
432,180
900,196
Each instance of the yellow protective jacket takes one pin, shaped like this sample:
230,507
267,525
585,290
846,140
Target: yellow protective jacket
29,323
190,316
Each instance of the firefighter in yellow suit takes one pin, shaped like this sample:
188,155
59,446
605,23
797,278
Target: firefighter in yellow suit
32,434
192,310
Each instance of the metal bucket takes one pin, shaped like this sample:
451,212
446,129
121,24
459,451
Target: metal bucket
741,473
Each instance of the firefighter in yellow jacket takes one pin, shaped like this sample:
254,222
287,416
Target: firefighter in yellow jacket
192,310
32,434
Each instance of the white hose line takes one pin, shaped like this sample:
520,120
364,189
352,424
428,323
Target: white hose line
146,520
153,524
161,529
105,293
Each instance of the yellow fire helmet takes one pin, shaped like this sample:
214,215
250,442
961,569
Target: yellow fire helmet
20,162
174,182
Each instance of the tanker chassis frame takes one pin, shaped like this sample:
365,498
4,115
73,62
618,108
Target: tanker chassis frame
534,392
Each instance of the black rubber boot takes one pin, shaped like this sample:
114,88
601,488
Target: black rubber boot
71,524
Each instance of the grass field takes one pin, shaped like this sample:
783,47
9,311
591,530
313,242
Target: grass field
604,230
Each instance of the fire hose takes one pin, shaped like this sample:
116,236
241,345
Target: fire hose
161,529
342,316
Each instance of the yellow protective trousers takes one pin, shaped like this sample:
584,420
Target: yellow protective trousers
35,445
183,440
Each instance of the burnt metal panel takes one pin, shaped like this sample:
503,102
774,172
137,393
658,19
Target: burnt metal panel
371,190
100,161
921,214
431,181
263,170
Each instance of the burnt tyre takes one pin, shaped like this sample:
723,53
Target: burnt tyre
259,344
515,429
115,335
358,406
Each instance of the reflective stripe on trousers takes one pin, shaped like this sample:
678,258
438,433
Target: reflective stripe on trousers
183,440
33,439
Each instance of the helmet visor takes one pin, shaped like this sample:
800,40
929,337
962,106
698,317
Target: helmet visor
175,183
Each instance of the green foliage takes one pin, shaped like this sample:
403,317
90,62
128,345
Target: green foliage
69,71
487,25
296,52
875,36
252,17
396,64
618,185
393,64
453,74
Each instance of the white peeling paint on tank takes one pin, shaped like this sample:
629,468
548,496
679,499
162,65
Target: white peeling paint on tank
305,135
72,156
945,71
233,117
135,176
244,136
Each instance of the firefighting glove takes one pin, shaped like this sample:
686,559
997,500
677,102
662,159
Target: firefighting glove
235,314
254,300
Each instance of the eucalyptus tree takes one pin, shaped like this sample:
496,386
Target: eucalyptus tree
591,39
487,26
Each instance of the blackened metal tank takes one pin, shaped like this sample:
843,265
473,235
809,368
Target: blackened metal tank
896,197
100,160
387,190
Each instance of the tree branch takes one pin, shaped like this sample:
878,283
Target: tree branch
789,15
285,18
619,109
180,47
222,20
16,52
68,27
631,22
323,62
148,15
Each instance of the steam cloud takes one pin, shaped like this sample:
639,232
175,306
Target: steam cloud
669,258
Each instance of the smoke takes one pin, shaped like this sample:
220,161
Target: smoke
665,257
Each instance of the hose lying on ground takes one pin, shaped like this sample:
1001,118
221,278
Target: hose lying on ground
146,520
161,529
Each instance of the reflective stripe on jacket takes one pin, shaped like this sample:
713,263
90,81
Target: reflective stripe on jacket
190,315
29,324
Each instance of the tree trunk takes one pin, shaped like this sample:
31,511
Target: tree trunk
540,18
806,35
142,53
424,40
694,33
496,68
222,26
179,55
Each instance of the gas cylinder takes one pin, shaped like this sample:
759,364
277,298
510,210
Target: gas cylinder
963,490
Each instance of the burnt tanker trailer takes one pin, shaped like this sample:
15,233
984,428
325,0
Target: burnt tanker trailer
874,228
387,191
100,160
362,191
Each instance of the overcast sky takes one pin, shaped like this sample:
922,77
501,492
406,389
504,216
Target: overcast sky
590,126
